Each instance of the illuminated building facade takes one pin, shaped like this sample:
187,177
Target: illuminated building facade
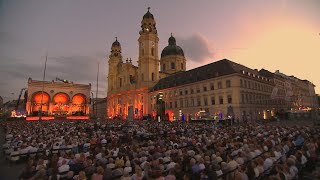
129,85
58,98
163,88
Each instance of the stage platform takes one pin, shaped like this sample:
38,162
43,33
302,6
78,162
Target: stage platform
48,118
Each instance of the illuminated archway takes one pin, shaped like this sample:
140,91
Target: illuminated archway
60,104
37,98
78,104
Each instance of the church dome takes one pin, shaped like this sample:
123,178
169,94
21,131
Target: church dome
116,43
148,15
172,48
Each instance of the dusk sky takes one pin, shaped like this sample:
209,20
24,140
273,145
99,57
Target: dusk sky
77,34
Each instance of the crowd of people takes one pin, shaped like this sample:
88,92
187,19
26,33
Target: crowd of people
136,150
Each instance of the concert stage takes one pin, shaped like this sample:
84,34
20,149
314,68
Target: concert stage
78,117
47,118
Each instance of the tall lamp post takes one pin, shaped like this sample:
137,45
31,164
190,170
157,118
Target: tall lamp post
92,102
44,77
96,105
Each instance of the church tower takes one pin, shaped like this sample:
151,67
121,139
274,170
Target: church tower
172,58
115,58
148,63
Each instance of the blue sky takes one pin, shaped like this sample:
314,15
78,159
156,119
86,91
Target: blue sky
77,34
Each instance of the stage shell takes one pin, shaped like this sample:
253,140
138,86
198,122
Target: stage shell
58,98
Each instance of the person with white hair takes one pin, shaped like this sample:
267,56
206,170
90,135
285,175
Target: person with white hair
292,167
64,169
128,167
268,162
126,175
111,164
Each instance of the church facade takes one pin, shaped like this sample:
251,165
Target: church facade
163,89
129,85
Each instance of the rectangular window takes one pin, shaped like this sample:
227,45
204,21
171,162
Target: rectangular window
175,104
191,91
219,85
198,90
245,83
170,105
181,93
186,103
249,84
181,103
205,101
198,102
186,92
228,83
204,88
211,86
247,98
131,79
192,102
220,100
229,99
173,66
242,98
213,101
241,83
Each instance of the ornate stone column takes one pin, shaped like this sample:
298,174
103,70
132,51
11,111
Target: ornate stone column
70,108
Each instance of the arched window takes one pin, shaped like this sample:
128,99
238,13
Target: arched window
173,66
181,66
142,52
152,76
163,67
131,79
152,51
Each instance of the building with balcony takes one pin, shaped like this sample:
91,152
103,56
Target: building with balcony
223,89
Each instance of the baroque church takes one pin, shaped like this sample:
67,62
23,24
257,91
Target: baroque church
163,89
129,85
